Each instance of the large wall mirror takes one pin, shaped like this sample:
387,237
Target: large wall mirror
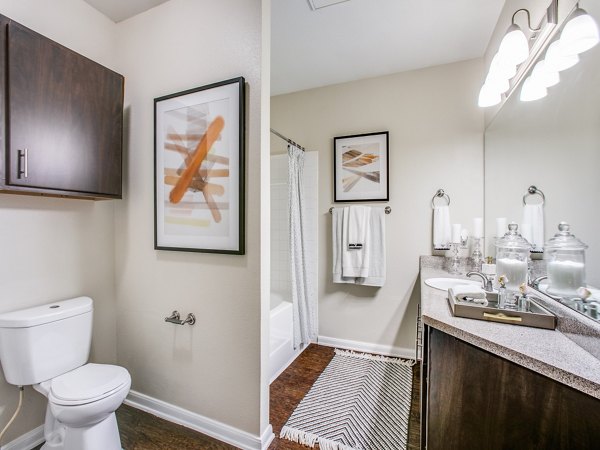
554,144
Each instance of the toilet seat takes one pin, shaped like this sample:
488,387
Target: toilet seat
87,384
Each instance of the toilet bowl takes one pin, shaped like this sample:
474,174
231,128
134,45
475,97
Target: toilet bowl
47,347
81,407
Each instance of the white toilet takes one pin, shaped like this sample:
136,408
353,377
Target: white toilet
48,347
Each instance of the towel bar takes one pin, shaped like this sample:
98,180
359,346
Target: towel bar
387,210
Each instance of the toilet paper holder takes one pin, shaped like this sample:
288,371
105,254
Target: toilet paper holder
175,318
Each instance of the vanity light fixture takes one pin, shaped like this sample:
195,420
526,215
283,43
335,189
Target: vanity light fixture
546,77
557,60
514,56
579,34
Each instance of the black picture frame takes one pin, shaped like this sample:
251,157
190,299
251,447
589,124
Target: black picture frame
199,169
361,167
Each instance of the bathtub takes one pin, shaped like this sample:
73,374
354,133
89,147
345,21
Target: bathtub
282,351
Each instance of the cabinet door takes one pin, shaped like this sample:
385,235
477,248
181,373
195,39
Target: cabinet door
477,400
65,118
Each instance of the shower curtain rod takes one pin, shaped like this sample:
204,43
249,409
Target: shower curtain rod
289,141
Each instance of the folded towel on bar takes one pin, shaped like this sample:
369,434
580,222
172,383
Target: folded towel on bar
365,266
534,216
355,231
441,226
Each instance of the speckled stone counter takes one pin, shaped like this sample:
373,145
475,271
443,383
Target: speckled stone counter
552,353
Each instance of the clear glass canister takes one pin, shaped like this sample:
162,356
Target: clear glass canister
565,263
512,257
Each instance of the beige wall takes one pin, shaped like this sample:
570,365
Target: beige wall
212,368
58,248
436,141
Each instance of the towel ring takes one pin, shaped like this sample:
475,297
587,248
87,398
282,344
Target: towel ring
441,194
532,190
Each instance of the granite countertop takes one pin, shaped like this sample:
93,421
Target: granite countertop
548,352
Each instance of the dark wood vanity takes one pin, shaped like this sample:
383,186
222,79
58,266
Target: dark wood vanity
472,399
62,119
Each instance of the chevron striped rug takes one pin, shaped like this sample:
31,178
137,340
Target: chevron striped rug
359,402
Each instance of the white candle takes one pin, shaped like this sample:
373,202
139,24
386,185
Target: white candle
478,227
527,231
565,277
500,226
514,270
456,229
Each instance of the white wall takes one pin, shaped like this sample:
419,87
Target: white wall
214,367
436,141
58,248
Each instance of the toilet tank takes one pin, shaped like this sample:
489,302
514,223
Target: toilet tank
40,343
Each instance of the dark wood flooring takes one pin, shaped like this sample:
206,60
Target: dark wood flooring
143,431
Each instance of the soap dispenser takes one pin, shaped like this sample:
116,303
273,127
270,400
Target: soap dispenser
512,256
565,263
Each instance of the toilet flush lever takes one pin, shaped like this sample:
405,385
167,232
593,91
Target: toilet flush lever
175,318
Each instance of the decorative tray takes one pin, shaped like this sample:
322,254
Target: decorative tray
535,315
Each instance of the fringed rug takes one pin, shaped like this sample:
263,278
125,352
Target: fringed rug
359,402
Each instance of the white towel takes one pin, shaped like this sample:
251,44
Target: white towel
375,247
355,233
468,290
441,226
356,218
534,216
375,268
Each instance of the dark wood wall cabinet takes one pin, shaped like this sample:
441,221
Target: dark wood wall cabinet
61,129
477,400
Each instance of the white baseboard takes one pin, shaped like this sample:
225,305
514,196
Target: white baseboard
387,350
205,425
26,441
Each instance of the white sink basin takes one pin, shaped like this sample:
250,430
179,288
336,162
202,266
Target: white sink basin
443,284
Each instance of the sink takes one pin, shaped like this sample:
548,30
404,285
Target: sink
443,284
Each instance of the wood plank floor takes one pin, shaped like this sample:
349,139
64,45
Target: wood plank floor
143,431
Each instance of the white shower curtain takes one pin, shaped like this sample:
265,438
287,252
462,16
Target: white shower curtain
303,301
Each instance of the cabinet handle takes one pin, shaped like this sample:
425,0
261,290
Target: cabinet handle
22,169
502,316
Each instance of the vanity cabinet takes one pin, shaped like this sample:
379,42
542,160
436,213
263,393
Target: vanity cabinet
62,119
472,399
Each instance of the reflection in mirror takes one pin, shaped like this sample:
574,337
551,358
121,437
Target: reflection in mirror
554,144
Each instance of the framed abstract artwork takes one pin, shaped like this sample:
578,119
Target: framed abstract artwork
360,167
199,169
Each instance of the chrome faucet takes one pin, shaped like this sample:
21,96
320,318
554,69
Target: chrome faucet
536,282
487,282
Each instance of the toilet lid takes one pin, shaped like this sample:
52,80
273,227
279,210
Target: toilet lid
88,383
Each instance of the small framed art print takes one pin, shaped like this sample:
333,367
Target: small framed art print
360,166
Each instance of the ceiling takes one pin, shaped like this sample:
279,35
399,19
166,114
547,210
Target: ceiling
119,10
359,39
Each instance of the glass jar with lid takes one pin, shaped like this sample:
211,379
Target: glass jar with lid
512,257
565,263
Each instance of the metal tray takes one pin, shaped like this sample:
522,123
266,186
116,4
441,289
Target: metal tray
535,316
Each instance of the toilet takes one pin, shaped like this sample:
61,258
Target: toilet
47,347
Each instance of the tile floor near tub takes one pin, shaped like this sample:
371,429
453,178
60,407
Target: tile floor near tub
142,431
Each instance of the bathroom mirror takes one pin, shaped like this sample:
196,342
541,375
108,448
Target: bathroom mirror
554,144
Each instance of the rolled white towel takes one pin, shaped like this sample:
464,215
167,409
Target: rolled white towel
469,290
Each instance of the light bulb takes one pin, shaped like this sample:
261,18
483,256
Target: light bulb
557,60
488,97
497,83
502,69
532,90
579,34
514,48
544,76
